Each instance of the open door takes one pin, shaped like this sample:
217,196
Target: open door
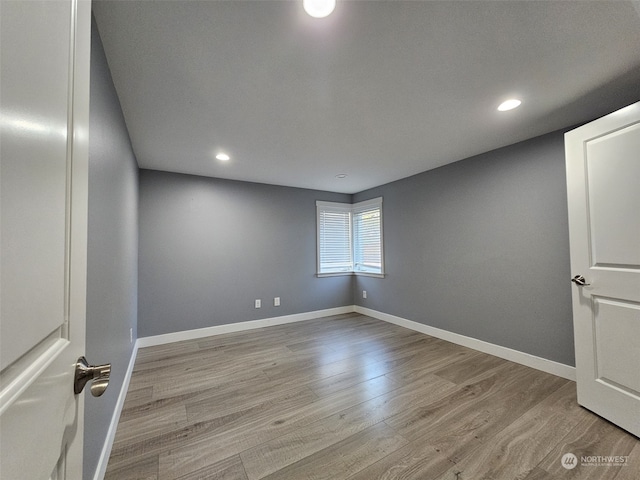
44,123
603,180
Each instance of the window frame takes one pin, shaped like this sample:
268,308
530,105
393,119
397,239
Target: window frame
352,210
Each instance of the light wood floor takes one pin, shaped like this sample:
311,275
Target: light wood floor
350,397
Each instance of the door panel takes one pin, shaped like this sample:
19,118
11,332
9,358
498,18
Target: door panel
44,112
613,197
34,183
617,354
603,175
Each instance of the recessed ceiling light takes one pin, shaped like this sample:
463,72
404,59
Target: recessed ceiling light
319,8
223,157
509,104
341,175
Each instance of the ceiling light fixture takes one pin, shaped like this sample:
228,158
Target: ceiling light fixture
319,8
223,157
509,104
341,175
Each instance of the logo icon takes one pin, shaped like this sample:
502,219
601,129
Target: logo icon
569,461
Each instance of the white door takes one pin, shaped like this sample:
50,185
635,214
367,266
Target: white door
44,113
603,180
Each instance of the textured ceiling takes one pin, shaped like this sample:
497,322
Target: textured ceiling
380,90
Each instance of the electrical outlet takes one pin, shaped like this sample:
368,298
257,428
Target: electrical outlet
364,294
131,335
276,301
258,303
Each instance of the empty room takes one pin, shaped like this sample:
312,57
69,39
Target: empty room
320,239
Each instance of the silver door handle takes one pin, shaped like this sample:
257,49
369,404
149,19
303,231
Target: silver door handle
98,374
580,280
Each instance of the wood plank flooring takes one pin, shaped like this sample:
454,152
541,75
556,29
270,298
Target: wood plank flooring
351,397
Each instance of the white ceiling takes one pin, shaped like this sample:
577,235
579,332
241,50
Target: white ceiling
379,90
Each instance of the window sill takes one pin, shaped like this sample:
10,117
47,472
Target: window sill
335,274
359,274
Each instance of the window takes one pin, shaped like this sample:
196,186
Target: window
367,236
350,238
334,238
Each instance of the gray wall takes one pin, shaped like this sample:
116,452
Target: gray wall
210,247
112,263
480,247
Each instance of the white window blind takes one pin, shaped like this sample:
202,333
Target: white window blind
350,238
334,238
367,239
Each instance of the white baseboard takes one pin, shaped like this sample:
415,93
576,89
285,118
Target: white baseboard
240,326
539,363
101,468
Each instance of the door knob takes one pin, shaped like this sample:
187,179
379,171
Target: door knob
580,280
98,374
